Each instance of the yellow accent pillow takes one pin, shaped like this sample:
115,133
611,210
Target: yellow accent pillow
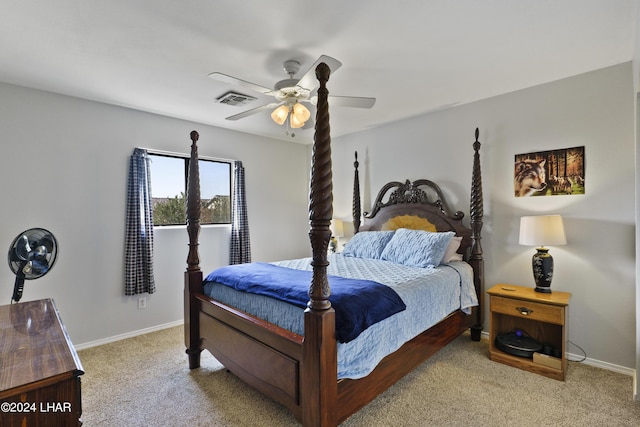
412,222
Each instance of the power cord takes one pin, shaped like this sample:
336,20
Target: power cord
584,353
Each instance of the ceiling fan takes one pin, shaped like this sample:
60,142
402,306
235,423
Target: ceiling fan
291,93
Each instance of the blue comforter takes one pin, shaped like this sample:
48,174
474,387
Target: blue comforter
358,303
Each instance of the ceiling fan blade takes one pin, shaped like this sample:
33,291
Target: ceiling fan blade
352,101
309,80
347,101
236,81
253,111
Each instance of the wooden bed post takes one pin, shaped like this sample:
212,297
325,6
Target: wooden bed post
476,259
193,275
356,212
319,349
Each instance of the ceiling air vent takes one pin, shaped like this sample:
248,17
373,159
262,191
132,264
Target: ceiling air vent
235,99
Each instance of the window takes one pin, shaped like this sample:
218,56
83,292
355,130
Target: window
169,184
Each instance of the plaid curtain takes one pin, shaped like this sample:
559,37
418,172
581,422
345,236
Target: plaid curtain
240,245
138,257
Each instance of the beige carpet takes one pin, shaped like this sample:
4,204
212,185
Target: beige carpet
145,381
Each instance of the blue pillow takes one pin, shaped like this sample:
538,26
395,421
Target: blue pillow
417,248
367,244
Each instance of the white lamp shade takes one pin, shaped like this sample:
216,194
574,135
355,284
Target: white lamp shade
542,230
295,122
279,115
336,227
301,112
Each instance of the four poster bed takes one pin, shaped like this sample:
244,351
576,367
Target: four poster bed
307,364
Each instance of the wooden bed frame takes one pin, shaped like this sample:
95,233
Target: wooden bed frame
298,371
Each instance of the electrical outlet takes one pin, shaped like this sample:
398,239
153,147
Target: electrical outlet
142,302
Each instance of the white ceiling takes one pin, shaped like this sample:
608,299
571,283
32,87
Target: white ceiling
414,56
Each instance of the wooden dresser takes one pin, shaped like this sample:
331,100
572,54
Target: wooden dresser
39,367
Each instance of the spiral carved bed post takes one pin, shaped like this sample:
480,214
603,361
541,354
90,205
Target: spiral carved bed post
356,210
476,259
193,275
320,361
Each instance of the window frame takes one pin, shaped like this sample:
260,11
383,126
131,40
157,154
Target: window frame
187,160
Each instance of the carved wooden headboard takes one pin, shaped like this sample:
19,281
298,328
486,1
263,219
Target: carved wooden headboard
421,204
418,205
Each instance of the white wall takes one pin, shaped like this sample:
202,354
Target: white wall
63,167
636,85
636,383
594,110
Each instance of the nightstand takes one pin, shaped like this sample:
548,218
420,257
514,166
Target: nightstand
542,317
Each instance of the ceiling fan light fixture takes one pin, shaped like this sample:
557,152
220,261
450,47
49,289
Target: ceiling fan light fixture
301,112
295,122
298,114
289,93
279,115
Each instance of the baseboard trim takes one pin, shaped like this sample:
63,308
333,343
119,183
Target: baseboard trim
127,335
600,364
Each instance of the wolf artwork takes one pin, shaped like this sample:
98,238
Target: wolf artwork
529,177
558,172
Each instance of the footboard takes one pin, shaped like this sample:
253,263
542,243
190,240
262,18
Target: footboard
299,373
263,355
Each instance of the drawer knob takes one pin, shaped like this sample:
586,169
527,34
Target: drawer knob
524,311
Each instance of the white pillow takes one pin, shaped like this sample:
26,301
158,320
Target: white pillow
451,254
456,257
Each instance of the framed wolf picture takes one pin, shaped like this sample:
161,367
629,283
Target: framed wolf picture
549,173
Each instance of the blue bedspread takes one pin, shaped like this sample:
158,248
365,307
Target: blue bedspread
358,303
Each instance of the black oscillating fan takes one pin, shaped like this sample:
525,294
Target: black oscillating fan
31,255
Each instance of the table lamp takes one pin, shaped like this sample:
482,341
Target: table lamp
337,230
540,231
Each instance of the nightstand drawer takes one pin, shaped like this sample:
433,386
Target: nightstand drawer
528,309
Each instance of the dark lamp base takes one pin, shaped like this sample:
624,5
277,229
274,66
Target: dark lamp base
542,263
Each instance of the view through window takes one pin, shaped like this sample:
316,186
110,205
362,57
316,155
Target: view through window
169,184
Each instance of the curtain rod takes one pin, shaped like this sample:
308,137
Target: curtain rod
183,155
